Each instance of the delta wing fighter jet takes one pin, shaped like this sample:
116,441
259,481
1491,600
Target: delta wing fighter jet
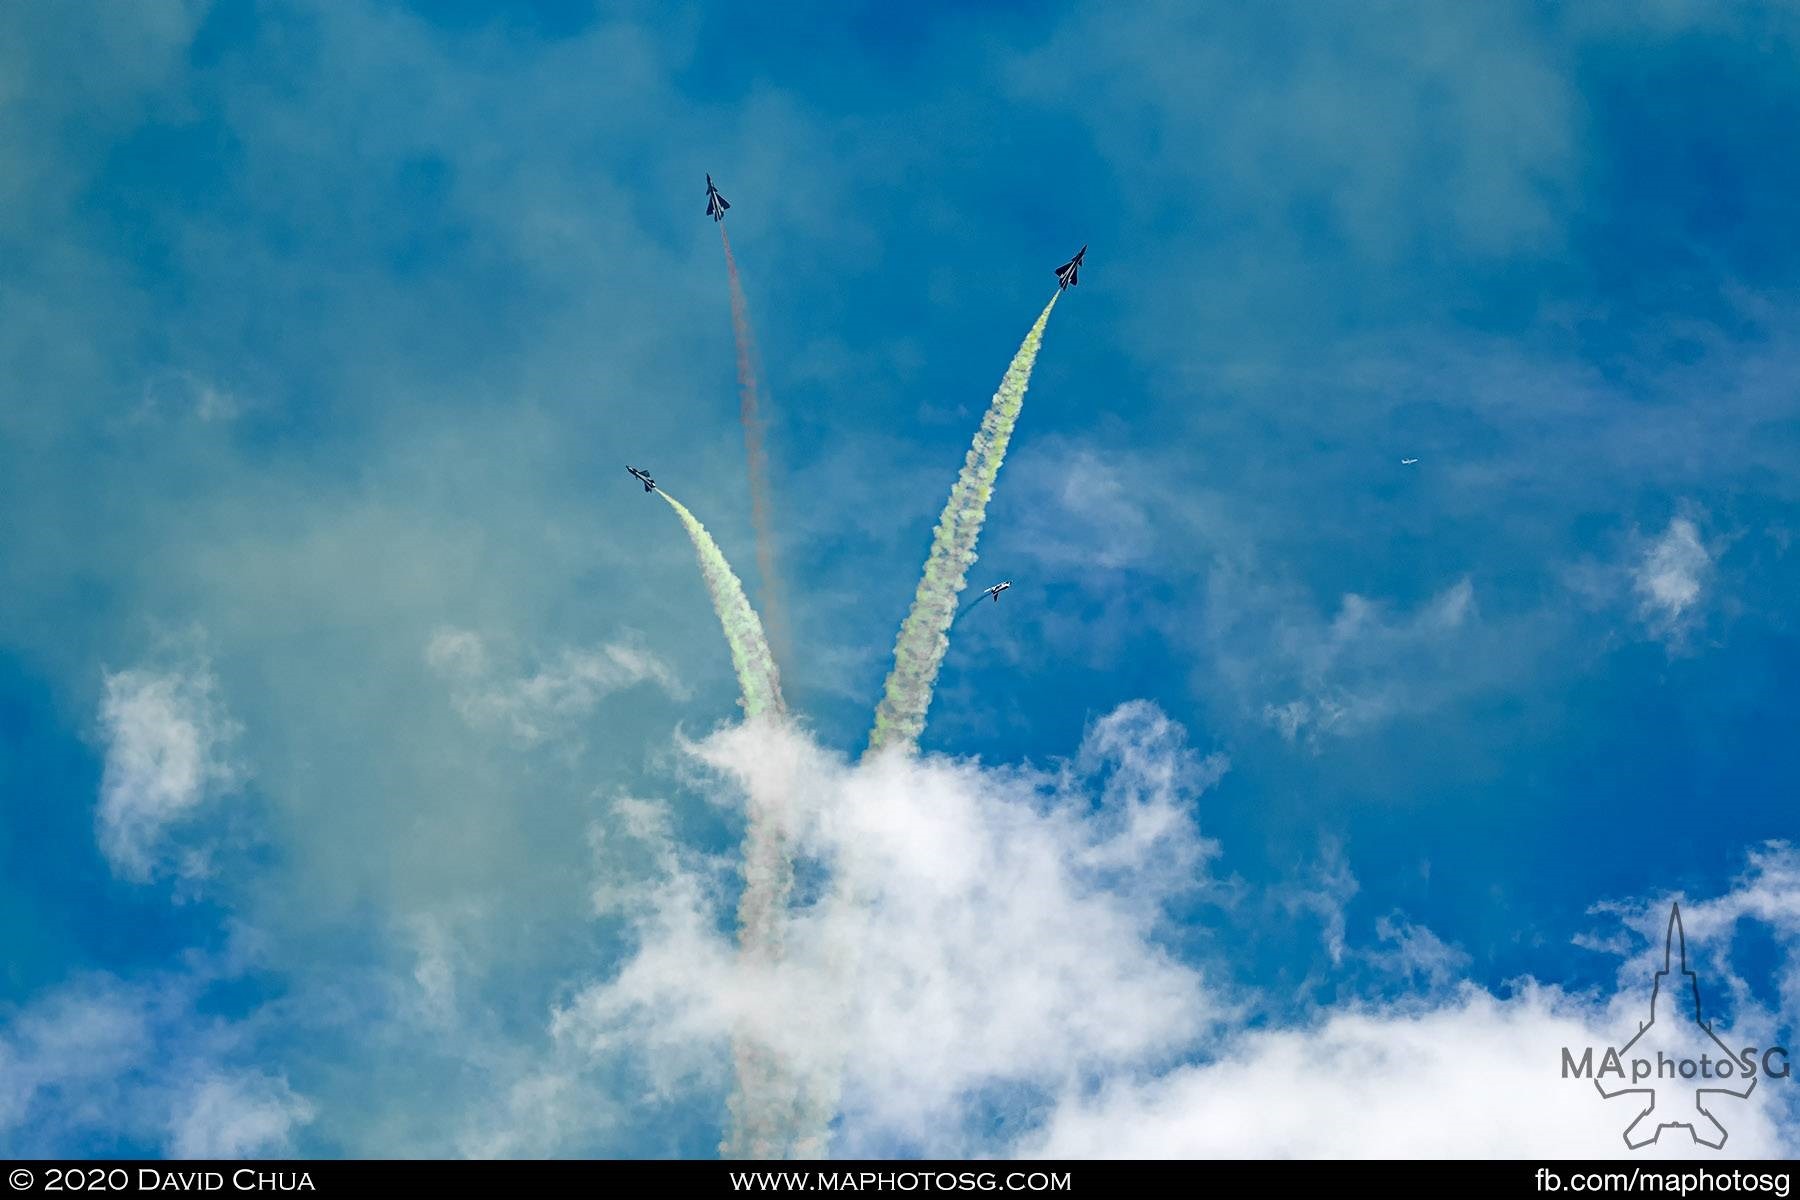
1065,274
715,203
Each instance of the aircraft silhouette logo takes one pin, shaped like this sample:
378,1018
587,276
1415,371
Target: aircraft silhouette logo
1680,1038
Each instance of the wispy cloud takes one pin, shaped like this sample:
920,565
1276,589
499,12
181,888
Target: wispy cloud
141,1063
551,699
167,737
1411,950
1325,895
236,1116
1078,512
1366,664
1671,578
178,394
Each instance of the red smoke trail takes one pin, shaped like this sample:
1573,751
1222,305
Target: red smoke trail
762,1103
774,608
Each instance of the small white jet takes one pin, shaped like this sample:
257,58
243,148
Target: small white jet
997,589
1407,462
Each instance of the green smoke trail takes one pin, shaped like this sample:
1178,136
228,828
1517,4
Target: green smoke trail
750,657
762,1105
919,650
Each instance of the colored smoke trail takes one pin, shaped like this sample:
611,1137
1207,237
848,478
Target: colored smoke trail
750,658
919,650
762,1102
750,414
900,718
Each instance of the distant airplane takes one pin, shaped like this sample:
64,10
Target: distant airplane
715,203
1407,462
997,589
643,477
1065,274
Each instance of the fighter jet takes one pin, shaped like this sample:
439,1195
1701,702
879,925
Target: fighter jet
715,203
1065,274
643,477
997,589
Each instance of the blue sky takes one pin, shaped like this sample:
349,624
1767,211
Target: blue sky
340,662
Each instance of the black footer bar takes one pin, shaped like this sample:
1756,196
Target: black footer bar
1664,1177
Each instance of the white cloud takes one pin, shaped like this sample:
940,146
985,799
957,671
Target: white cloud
143,1061
237,1115
1465,1072
1004,949
1670,579
1468,1074
1004,930
166,736
552,699
1477,1077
